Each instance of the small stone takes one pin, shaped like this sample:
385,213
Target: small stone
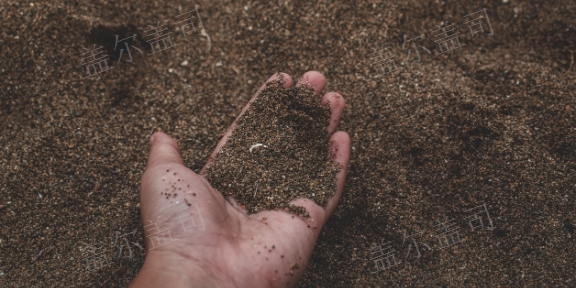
106,153
184,63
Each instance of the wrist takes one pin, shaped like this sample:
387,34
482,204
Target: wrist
165,269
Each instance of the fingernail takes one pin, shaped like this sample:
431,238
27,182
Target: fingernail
152,139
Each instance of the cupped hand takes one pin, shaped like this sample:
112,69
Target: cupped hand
196,238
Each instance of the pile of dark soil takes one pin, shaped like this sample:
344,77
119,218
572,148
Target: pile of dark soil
278,152
492,123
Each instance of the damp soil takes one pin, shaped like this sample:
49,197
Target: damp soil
278,152
492,123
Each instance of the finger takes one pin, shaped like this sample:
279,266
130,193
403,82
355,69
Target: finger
340,150
314,80
336,102
287,82
163,149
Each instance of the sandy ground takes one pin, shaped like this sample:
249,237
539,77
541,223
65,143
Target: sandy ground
463,165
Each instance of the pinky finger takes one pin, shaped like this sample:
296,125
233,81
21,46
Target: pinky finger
340,153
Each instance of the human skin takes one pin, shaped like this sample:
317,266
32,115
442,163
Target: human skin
234,249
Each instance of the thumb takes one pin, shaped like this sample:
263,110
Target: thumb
163,150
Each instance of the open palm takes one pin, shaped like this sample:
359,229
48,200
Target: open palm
196,238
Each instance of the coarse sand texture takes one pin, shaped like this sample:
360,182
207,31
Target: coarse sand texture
278,152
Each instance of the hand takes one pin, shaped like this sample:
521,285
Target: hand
219,245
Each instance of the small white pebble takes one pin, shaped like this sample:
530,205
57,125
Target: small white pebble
170,70
256,146
246,8
184,63
505,1
219,64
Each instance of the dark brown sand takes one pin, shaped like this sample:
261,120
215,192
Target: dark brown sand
490,123
277,153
